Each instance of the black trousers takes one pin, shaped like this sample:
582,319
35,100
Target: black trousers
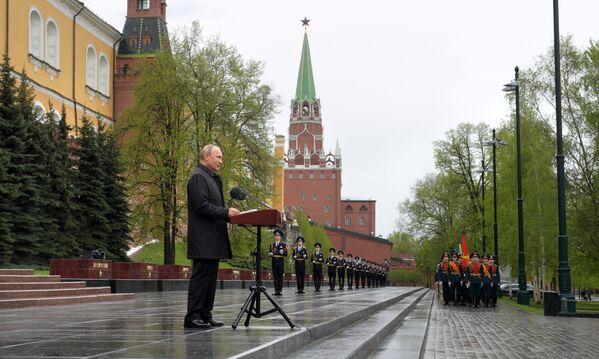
332,273
364,275
278,267
350,278
300,273
317,275
341,275
202,289
357,276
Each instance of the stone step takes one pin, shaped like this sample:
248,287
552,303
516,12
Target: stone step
361,338
4,278
9,271
408,339
40,285
35,302
304,337
45,293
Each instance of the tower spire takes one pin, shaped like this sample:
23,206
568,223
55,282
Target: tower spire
305,79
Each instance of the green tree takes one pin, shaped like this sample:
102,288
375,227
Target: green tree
6,240
403,243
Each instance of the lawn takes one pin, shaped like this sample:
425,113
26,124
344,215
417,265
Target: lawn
154,253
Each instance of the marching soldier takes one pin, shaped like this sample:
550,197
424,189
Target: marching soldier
300,254
444,276
455,279
341,263
350,271
464,293
495,279
486,281
332,268
317,259
473,273
278,251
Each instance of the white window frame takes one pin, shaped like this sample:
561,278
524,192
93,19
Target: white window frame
56,65
88,71
106,75
42,116
40,54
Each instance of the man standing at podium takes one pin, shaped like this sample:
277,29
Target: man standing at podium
207,236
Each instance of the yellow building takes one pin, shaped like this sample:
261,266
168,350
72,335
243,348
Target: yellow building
67,52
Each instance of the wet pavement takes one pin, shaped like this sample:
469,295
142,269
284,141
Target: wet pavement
151,326
508,332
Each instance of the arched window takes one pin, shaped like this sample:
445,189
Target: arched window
52,44
329,197
363,209
326,209
103,75
348,208
302,196
314,197
347,221
90,79
39,112
36,34
362,221
56,116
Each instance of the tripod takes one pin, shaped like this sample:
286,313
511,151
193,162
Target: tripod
252,303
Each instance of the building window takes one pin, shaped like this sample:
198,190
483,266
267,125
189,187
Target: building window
301,175
290,175
362,221
36,34
347,221
326,209
56,116
103,75
90,78
302,196
329,197
333,175
314,198
322,176
311,175
328,223
363,209
143,4
39,112
52,44
348,208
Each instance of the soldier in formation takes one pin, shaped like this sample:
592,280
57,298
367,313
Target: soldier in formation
317,259
300,255
278,251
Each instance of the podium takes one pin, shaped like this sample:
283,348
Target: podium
258,218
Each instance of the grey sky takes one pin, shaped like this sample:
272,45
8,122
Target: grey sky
393,76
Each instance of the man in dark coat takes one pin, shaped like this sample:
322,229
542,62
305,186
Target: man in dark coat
207,236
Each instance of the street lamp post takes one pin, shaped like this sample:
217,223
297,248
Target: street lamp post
522,292
484,235
495,142
565,289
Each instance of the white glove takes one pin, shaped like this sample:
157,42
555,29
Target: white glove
294,257
281,251
449,284
305,256
270,254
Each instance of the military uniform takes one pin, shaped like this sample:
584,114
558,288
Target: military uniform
350,271
455,279
300,254
495,280
357,272
278,251
444,277
473,273
486,281
317,259
464,292
341,263
332,268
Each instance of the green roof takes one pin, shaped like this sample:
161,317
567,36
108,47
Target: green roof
305,79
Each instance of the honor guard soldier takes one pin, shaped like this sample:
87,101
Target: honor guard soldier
357,271
444,276
350,271
364,272
341,263
387,268
473,273
278,251
332,268
300,254
317,259
464,293
495,279
486,281
455,279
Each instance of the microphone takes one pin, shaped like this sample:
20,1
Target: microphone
239,193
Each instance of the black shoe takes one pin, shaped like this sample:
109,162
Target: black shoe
214,323
278,293
331,288
197,324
